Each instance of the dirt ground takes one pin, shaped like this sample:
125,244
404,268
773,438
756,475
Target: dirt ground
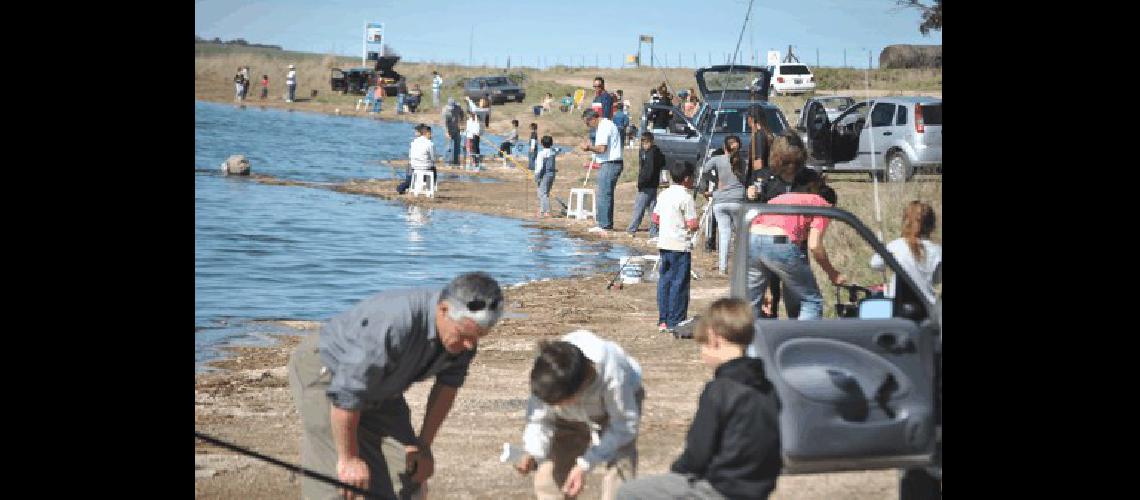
246,400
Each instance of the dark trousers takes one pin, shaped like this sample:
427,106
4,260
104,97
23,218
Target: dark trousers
673,287
456,144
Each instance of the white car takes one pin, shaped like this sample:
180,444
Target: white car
791,78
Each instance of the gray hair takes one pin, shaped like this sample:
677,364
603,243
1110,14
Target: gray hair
589,113
474,287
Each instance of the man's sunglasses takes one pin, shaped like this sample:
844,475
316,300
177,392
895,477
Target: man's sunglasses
480,304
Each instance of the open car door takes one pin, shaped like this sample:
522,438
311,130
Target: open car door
857,392
337,80
818,129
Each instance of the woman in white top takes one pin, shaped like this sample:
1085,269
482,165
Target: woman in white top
918,256
474,128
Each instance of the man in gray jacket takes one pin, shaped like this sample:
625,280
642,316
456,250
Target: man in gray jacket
452,117
349,382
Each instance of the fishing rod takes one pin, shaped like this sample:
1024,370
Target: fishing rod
874,176
703,223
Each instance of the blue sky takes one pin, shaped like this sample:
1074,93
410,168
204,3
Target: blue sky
581,31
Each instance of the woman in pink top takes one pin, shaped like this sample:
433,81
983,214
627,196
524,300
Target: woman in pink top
776,242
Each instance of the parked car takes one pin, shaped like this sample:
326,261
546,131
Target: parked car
791,78
497,89
727,98
352,80
904,136
861,390
834,105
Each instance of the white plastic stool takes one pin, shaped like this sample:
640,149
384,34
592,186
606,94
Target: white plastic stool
577,208
423,182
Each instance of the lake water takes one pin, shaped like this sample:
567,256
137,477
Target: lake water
265,252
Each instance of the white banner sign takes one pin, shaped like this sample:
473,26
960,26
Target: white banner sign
374,33
773,57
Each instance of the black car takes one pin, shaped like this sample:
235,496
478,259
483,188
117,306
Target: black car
497,89
352,80
728,97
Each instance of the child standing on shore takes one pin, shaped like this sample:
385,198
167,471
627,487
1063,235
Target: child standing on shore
264,87
732,449
675,215
474,128
544,174
649,165
533,150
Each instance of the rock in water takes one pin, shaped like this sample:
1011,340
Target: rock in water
236,165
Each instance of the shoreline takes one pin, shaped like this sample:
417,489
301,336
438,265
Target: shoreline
246,400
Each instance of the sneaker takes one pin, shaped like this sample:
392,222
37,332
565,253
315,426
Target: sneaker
662,327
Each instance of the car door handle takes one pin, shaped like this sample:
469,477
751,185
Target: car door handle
887,133
893,343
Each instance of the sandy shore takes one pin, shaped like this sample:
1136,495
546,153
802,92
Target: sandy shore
247,401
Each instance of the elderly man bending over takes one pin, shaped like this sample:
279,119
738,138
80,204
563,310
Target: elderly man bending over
349,382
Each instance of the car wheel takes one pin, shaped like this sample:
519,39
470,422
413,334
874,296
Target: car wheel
918,484
898,168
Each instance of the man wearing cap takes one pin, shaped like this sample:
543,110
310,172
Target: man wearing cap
348,384
291,83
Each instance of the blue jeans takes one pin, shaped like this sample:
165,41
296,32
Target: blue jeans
726,220
644,203
435,98
788,261
673,288
292,92
530,159
544,184
399,104
607,181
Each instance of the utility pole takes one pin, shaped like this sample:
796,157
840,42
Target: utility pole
817,57
844,58
470,47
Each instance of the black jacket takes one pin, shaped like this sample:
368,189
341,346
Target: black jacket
734,440
650,163
775,185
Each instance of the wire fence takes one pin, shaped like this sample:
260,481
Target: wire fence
858,58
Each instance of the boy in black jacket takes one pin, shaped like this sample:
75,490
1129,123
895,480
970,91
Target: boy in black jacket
650,161
733,446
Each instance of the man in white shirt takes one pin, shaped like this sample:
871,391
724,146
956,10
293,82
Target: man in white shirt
291,83
421,156
584,412
436,83
607,151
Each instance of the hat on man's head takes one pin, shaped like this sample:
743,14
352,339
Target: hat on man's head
292,66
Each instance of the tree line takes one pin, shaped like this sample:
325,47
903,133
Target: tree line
236,41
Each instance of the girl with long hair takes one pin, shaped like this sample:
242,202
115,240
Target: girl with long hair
731,174
918,256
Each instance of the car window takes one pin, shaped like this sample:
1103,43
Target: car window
794,69
730,121
677,123
901,118
775,124
882,115
498,81
836,103
932,114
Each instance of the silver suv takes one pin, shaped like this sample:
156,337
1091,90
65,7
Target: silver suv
903,136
